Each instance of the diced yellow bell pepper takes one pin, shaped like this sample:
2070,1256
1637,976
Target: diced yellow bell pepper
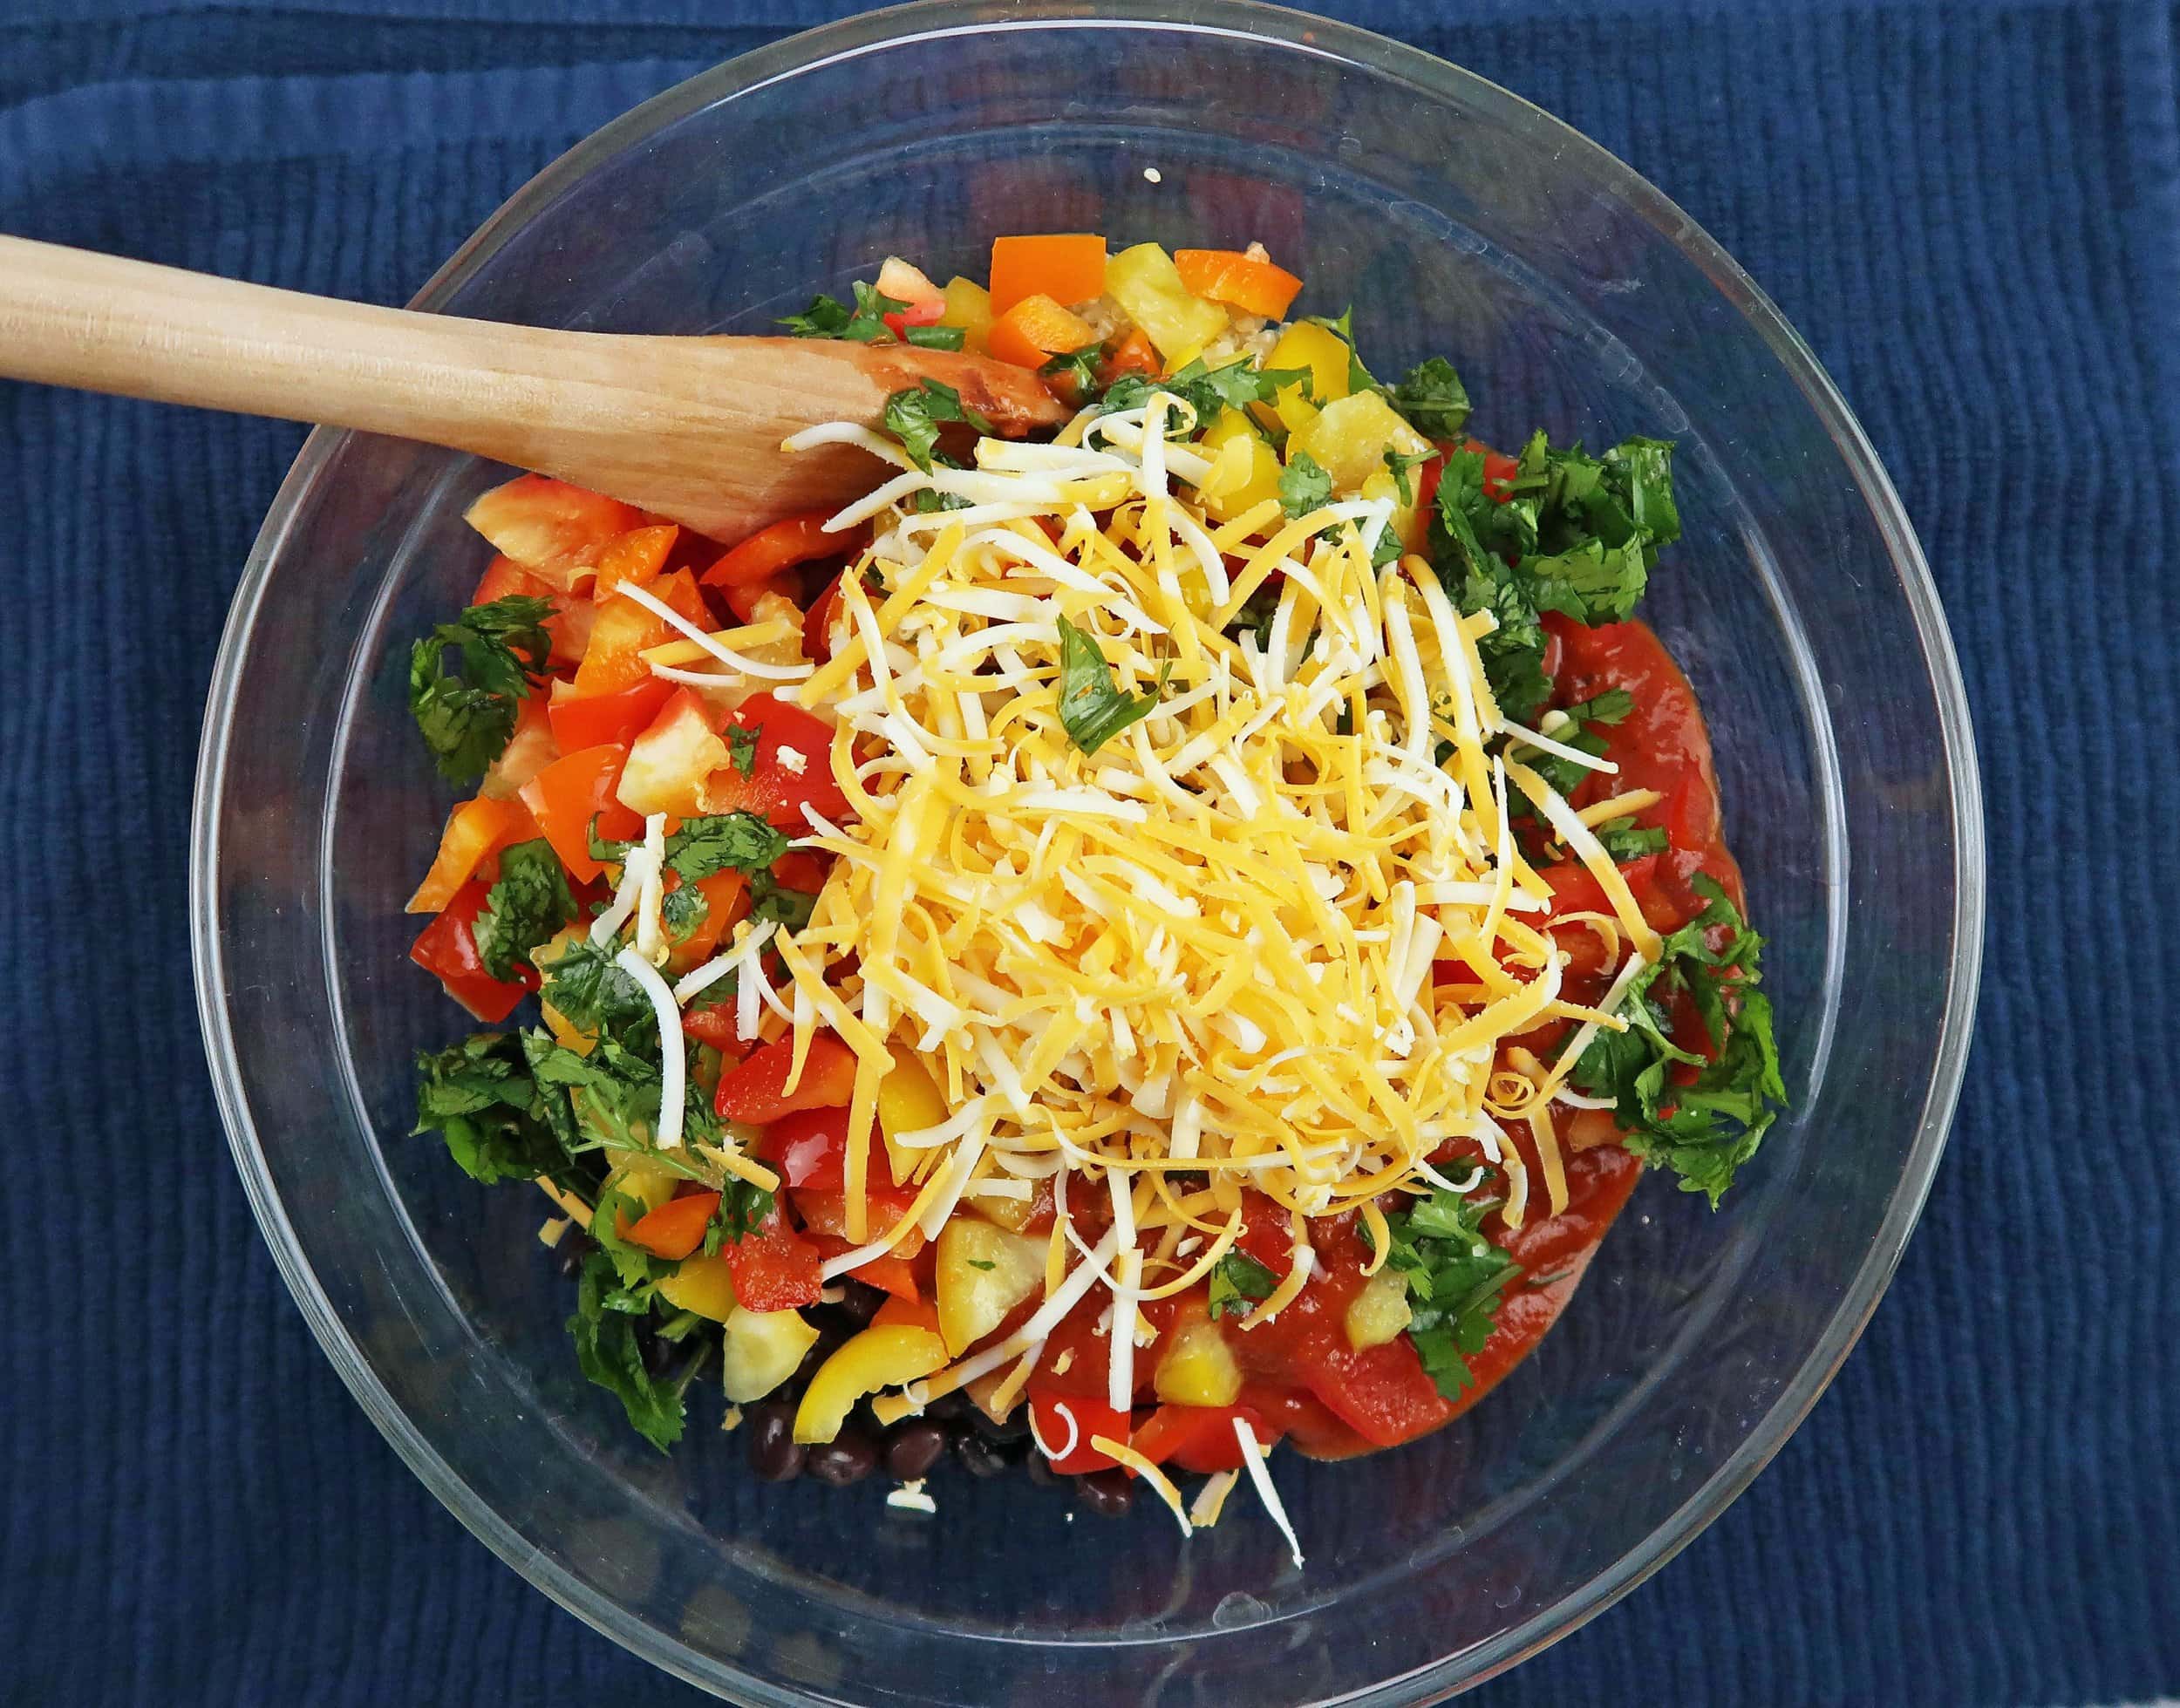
1408,522
644,1182
701,1284
909,1102
1379,1311
1350,436
760,1350
878,1358
1012,1213
982,1273
1146,285
1245,472
1325,354
968,306
1198,1367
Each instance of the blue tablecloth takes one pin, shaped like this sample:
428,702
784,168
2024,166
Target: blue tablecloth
1971,210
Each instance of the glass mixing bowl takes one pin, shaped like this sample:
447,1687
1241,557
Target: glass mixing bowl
1455,218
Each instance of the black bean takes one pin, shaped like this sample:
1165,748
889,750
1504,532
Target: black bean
848,1458
948,1407
913,1448
981,1457
859,1302
1108,1493
768,1427
830,1340
575,1246
1040,1469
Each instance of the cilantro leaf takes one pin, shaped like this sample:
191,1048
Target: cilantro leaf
1079,368
588,990
467,718
523,909
741,752
914,417
1433,399
1304,486
607,1349
1400,463
479,1097
1704,1129
934,337
742,1209
1456,1278
1207,391
770,899
829,318
1624,839
1237,1281
1091,705
1579,731
740,842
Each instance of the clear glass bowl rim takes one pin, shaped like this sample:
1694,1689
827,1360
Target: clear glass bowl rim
1321,37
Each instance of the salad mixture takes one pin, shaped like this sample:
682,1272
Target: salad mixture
1105,953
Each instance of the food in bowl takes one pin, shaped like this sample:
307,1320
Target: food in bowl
1125,950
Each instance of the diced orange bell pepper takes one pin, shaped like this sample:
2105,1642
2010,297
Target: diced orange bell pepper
634,559
1135,354
725,900
624,628
757,1090
568,793
796,539
550,527
475,829
747,599
676,1228
773,1267
1228,275
1067,267
1035,330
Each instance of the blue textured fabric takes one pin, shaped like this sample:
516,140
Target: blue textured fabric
1971,210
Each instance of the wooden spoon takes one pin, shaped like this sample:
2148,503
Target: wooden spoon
688,427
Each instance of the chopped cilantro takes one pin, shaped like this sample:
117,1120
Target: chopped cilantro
523,909
741,750
1624,839
1091,705
607,1349
933,338
1703,1130
770,899
1455,1277
1079,368
588,989
479,1097
1360,378
829,318
1303,486
1433,399
984,1263
743,1207
467,718
1207,391
1237,1281
739,842
1400,463
914,417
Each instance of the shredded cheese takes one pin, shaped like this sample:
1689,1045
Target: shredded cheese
1253,1462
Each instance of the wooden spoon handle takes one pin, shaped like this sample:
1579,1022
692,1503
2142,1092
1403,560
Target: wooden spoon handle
688,428
103,323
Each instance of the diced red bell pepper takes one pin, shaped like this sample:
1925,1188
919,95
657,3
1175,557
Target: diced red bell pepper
799,539
447,949
773,790
676,1228
568,795
1198,1437
808,1149
773,1267
1266,1234
756,1092
905,283
601,720
1069,1421
1383,1393
817,622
